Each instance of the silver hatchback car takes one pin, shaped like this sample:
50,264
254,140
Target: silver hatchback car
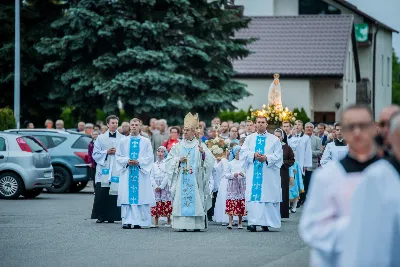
25,167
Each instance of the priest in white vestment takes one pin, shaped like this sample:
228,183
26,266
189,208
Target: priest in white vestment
135,193
335,150
105,201
300,143
373,233
189,167
262,158
325,215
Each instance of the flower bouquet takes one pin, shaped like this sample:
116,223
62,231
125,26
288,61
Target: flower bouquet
274,114
218,147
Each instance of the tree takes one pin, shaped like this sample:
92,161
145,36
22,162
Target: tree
395,79
7,120
36,87
161,58
301,115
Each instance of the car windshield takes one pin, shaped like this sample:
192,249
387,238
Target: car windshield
82,142
33,144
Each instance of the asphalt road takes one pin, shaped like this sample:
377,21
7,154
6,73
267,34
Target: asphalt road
56,230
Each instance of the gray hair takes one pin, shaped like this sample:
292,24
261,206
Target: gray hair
164,121
60,121
89,125
395,122
309,123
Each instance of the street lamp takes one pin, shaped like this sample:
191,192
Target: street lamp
17,64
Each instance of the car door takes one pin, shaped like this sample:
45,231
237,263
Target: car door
3,151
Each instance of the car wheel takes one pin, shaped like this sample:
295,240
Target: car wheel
62,180
76,187
32,193
11,185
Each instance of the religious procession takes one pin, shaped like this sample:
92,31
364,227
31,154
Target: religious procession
180,133
257,176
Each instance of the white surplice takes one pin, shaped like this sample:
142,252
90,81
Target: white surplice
135,214
202,170
265,212
326,211
372,237
103,160
333,153
220,203
301,146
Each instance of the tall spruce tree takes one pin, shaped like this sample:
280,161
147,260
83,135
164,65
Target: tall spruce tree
159,57
36,87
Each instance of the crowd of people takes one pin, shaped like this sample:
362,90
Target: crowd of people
346,175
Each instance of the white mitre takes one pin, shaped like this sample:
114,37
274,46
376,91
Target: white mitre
191,121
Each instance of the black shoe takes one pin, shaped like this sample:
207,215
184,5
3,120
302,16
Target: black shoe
137,227
252,228
196,230
298,205
265,228
110,221
100,221
126,226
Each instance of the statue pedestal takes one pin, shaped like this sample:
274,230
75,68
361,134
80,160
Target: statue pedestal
272,127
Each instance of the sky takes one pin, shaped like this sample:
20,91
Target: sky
386,11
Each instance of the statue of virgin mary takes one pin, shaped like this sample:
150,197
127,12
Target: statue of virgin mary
274,93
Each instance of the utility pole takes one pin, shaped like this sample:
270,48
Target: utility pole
17,64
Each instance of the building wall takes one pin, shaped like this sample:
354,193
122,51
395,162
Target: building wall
349,83
286,8
326,93
383,74
295,93
257,7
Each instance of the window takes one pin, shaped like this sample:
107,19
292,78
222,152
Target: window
43,139
388,72
382,71
310,7
57,140
2,144
33,144
82,142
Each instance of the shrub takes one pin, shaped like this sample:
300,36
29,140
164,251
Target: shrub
7,120
301,115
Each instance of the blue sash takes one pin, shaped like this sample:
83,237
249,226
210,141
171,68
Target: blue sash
133,182
188,200
256,187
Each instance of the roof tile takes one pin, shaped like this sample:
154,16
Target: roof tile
296,45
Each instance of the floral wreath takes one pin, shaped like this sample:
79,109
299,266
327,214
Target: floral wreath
273,114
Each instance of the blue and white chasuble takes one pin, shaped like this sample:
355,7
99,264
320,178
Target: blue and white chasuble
264,177
188,200
134,182
256,186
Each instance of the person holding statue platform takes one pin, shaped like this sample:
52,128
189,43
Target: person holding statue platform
189,166
262,158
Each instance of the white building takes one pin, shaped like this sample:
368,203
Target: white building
329,55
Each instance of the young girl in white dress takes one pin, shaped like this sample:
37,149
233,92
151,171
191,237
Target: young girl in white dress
159,180
236,189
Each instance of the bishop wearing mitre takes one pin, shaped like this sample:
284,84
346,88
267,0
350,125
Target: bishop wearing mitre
189,167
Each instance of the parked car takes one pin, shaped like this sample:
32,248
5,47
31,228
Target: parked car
25,167
68,151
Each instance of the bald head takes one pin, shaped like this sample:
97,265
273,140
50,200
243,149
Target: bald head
384,121
394,134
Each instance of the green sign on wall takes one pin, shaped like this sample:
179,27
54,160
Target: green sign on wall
361,32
